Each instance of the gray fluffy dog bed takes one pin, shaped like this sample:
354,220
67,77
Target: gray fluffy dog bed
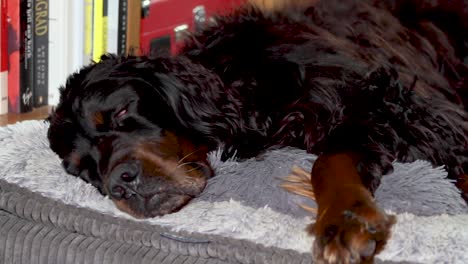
243,216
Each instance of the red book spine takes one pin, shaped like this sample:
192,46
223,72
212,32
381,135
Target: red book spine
4,37
19,51
3,58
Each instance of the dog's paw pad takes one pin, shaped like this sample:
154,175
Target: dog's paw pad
354,235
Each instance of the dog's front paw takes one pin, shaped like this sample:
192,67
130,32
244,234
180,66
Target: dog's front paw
351,231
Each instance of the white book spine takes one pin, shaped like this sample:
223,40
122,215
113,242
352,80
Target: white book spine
76,33
112,25
66,47
3,92
58,51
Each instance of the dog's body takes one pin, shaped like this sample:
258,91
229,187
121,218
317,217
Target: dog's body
348,80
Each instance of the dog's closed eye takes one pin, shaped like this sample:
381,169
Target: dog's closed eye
120,116
121,113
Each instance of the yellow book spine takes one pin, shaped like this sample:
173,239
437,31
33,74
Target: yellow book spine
88,30
99,30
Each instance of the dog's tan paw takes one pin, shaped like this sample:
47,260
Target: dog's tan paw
353,233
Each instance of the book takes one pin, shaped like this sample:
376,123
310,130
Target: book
76,33
122,28
57,44
41,52
133,27
100,28
3,58
88,31
67,22
20,45
112,26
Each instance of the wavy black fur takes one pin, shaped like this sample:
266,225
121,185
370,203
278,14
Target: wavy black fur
386,80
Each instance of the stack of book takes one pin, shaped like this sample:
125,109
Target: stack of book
44,41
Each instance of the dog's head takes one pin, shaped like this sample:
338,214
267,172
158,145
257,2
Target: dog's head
128,125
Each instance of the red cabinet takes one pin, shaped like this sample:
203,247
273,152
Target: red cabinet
165,21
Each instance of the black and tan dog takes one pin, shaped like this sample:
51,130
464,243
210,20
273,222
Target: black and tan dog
360,83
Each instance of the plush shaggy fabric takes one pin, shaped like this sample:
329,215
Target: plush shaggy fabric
244,201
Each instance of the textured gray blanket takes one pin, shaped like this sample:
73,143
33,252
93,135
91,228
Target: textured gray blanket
243,215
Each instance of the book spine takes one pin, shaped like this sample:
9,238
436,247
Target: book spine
41,52
19,56
76,32
27,64
122,28
99,29
105,28
88,31
57,46
14,43
133,27
60,53
112,25
3,58
4,92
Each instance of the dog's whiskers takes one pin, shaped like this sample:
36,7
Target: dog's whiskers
195,168
188,163
185,163
188,155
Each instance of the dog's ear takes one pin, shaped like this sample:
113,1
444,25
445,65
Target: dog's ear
189,91
63,128
74,83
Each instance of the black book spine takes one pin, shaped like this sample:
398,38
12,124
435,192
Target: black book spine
26,62
122,30
41,52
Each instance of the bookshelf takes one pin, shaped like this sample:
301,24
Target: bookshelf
44,41
37,114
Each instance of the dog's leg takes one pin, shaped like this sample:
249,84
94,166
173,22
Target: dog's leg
397,123
350,228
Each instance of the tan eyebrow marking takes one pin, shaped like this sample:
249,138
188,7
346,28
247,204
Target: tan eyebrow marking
98,118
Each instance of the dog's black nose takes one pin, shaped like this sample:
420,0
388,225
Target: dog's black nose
123,180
